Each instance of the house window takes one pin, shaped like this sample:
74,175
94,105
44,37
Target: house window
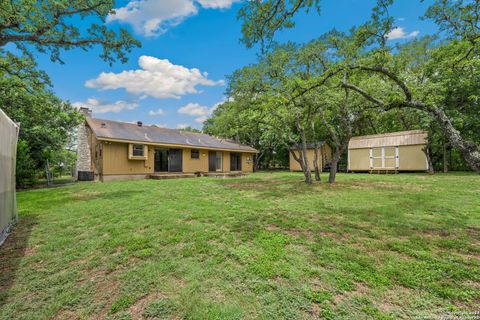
138,150
195,154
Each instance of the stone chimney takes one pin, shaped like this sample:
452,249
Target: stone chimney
84,157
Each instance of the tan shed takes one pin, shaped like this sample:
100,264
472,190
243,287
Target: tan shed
324,156
396,151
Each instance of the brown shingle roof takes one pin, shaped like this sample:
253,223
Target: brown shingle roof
115,130
403,138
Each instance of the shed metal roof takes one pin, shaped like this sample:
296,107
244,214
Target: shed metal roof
115,130
402,138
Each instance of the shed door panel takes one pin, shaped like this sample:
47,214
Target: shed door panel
377,163
377,152
390,163
390,151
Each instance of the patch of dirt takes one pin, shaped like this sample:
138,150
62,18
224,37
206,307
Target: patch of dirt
136,310
66,314
106,291
315,311
360,290
395,299
260,185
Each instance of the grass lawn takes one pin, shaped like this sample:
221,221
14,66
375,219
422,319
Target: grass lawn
262,247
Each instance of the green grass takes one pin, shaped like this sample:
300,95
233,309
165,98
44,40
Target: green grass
262,247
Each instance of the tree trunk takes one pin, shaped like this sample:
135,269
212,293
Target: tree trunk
469,150
257,161
305,168
426,150
315,163
334,166
445,162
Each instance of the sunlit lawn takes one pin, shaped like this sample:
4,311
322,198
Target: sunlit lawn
265,246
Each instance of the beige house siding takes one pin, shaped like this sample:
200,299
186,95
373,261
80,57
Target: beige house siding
247,162
195,165
115,160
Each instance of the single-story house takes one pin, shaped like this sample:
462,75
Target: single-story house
396,151
324,156
111,150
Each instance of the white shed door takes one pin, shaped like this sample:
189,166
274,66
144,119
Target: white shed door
384,158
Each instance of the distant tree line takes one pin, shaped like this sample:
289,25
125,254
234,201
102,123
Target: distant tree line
346,84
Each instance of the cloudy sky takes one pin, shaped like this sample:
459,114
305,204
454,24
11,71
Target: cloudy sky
189,47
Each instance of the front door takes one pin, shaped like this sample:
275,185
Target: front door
175,160
161,160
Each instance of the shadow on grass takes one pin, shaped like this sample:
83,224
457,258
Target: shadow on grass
270,188
12,253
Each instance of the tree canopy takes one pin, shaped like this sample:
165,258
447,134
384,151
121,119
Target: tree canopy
429,83
50,27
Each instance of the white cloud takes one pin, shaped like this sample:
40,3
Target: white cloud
201,112
201,119
217,4
182,125
401,19
194,109
154,17
158,78
158,112
101,107
399,33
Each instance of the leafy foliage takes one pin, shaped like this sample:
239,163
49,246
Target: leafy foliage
46,122
430,83
48,27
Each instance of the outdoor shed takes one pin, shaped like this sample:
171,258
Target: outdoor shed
396,151
8,152
324,156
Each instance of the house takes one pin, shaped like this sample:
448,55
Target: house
324,156
8,151
111,150
396,151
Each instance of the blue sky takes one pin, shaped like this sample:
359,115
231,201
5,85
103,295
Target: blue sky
188,49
